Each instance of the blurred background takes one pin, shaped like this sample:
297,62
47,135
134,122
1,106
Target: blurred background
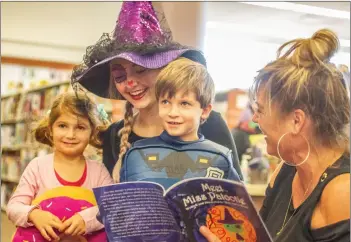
42,41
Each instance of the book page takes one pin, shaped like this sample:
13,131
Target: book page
136,211
223,206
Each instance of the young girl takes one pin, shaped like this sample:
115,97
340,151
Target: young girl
55,191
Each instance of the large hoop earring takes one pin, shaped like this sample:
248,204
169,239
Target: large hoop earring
289,164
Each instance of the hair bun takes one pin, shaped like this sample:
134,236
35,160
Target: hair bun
324,44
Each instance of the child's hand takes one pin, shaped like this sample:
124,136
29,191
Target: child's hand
74,226
45,222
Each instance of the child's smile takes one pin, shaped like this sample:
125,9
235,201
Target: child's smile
181,115
71,134
173,124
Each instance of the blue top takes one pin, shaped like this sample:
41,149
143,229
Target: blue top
166,160
214,129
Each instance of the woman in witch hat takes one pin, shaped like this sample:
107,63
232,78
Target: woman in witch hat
124,66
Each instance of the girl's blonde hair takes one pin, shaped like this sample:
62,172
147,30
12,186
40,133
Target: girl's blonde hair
303,78
187,75
78,104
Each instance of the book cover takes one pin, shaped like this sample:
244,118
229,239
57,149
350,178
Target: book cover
144,211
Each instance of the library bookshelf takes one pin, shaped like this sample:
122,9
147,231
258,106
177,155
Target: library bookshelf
22,107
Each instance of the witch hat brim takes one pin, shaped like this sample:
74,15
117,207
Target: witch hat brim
157,50
228,218
97,78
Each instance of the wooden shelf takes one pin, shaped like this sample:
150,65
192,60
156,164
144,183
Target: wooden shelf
12,121
10,148
257,190
36,89
11,95
10,180
18,147
37,63
47,86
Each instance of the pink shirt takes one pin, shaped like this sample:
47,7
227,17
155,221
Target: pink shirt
39,177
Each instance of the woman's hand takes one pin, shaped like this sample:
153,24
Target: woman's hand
74,226
45,222
208,234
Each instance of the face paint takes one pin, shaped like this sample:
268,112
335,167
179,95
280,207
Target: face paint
130,83
119,74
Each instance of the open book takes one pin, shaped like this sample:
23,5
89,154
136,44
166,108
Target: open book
144,211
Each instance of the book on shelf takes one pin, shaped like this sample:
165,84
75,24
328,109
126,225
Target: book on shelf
9,107
6,192
26,108
21,133
26,156
4,167
27,94
20,110
49,96
144,211
12,165
14,134
8,135
35,103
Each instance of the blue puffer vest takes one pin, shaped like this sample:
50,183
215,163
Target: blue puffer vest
167,160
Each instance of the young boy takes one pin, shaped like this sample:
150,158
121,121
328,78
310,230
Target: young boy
184,92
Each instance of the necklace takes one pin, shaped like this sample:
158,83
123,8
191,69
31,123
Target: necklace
286,213
323,177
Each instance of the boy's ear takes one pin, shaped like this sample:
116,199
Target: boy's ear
206,112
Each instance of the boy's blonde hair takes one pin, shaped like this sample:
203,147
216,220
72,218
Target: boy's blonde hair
185,75
78,104
303,78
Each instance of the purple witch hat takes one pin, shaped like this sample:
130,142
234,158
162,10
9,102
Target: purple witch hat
141,37
141,18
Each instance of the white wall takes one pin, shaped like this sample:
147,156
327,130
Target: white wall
61,30
242,38
234,61
58,31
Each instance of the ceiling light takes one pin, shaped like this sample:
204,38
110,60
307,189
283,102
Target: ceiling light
302,8
269,32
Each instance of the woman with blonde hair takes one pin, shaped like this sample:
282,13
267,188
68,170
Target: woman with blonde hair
346,74
125,66
303,109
